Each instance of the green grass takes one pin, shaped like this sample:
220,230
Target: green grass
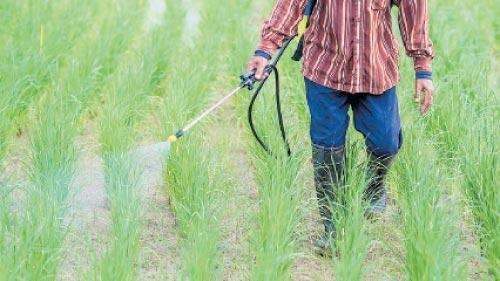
193,179
120,258
193,188
465,112
274,245
351,245
65,66
432,241
124,103
34,38
480,170
37,251
32,238
279,181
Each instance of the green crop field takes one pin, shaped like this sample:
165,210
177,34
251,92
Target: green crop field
88,87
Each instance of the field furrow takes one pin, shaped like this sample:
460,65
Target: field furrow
90,188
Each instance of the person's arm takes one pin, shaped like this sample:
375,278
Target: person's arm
414,27
283,24
280,26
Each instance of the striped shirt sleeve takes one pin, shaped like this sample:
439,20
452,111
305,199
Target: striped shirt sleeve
414,26
281,25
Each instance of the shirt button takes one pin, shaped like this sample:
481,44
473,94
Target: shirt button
357,19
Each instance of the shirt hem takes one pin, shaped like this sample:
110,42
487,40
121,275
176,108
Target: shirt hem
348,87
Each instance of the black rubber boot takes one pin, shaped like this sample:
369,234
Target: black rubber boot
328,167
376,192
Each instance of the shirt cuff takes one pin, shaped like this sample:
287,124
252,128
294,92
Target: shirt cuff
423,75
264,54
267,46
422,63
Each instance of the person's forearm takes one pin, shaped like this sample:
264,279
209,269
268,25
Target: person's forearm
281,25
414,26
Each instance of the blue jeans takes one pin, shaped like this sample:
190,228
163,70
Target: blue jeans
375,116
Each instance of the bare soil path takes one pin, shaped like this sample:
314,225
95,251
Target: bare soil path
241,198
88,218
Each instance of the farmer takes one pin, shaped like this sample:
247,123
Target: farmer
351,60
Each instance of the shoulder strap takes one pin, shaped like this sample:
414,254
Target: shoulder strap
304,23
310,7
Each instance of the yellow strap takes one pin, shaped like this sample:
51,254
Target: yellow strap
303,26
41,37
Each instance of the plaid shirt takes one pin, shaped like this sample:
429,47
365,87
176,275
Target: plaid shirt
349,44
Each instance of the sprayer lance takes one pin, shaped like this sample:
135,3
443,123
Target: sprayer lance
200,117
248,81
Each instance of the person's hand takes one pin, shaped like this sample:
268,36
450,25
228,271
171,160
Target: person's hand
258,64
426,86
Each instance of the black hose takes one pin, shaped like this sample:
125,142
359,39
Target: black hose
278,110
248,80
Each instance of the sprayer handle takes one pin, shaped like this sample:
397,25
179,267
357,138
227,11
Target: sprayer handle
248,78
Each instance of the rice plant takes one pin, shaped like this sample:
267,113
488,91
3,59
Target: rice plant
32,231
193,188
188,84
34,37
124,101
464,79
7,220
119,260
279,187
351,245
480,170
461,122
66,65
279,181
37,251
429,219
191,177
